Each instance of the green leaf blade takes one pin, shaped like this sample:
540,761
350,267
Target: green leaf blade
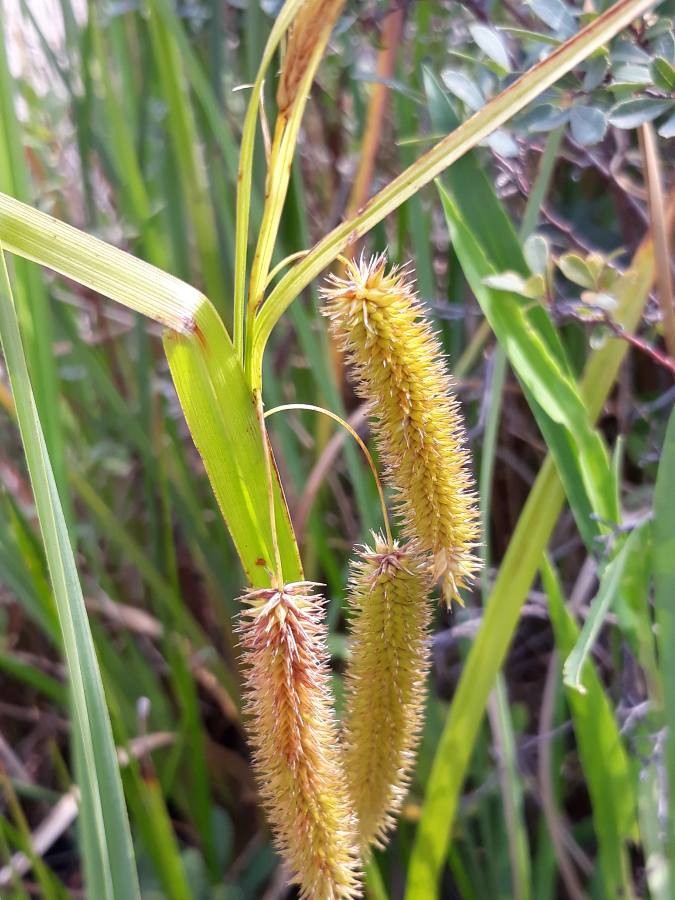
114,871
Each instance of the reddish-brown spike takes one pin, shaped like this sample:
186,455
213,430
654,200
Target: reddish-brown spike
313,24
295,739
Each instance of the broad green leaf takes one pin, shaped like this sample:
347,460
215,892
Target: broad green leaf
114,875
627,51
537,252
221,413
527,34
630,75
503,143
544,117
506,281
662,39
596,69
533,287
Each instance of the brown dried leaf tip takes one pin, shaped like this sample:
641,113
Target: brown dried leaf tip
399,367
389,596
293,731
312,26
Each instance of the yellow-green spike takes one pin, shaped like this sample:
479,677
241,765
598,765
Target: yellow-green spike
389,597
295,739
399,367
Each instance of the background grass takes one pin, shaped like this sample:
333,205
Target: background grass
125,123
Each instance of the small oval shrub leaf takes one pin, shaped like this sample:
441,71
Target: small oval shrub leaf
632,113
588,124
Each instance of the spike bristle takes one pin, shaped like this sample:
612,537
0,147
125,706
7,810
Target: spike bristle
295,737
399,367
389,596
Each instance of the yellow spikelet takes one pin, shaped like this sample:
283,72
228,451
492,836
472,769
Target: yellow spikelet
312,26
294,734
399,367
388,594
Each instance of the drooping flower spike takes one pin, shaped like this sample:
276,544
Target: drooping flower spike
389,598
399,367
294,733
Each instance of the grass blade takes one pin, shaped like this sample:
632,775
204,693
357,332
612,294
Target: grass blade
657,862
98,265
485,241
499,713
608,769
531,355
120,145
207,374
154,823
245,171
516,575
609,585
450,149
101,785
187,148
664,572
31,297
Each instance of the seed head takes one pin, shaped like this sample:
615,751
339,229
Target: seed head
399,367
297,757
389,591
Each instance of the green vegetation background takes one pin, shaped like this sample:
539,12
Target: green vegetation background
125,122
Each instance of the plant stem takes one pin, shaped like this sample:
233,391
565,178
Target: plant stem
267,454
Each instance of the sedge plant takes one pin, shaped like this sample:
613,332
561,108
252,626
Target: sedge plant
327,800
